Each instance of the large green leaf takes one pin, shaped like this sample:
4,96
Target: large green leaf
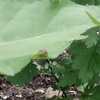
87,62
28,26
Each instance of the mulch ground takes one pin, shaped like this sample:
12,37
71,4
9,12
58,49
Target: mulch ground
35,90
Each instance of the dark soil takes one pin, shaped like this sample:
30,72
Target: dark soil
35,90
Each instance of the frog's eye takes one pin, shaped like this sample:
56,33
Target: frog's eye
44,51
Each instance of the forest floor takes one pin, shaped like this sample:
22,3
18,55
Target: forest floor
38,89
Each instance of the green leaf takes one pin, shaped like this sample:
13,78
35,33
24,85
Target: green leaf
77,47
28,26
93,36
58,69
98,48
91,93
87,63
87,2
93,19
95,80
96,94
40,55
88,90
7,64
6,71
86,77
66,61
69,79
25,75
41,62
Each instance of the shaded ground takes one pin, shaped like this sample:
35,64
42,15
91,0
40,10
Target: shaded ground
35,90
38,89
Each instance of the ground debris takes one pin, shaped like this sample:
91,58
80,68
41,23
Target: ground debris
35,90
38,89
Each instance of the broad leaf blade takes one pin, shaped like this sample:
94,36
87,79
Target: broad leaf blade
32,26
12,65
